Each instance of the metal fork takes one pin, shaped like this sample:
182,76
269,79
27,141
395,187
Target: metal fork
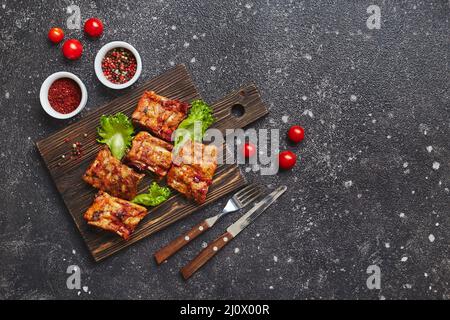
239,200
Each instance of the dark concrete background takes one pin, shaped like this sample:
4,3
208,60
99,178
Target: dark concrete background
372,186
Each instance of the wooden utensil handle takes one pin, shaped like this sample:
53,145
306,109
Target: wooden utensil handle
205,255
170,249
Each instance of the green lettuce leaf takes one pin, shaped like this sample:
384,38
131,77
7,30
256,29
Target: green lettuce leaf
200,114
155,196
117,132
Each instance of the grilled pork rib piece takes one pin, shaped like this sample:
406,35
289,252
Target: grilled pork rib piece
193,169
114,214
150,153
108,174
159,115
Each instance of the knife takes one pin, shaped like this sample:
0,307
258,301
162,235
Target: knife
232,231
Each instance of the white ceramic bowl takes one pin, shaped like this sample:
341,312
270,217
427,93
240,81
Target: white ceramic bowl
101,54
43,95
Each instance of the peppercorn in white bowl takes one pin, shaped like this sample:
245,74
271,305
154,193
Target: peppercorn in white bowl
118,65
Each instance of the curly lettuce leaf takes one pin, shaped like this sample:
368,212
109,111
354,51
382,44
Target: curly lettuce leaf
155,196
117,132
195,125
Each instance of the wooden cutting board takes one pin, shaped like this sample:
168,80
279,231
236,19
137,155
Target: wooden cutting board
78,196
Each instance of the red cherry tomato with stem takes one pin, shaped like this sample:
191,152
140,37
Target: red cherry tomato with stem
296,134
55,35
72,49
249,150
93,27
287,159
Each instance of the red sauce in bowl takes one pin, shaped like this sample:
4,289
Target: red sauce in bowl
64,95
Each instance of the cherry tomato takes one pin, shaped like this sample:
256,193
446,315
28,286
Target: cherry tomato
296,134
55,35
72,49
93,27
249,150
287,160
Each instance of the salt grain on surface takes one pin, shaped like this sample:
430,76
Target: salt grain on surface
308,113
436,165
348,184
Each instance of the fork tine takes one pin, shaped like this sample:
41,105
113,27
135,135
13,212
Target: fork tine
245,191
250,197
248,194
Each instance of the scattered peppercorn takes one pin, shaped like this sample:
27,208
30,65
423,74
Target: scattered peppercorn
119,65
76,149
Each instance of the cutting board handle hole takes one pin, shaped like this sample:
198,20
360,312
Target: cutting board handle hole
238,110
